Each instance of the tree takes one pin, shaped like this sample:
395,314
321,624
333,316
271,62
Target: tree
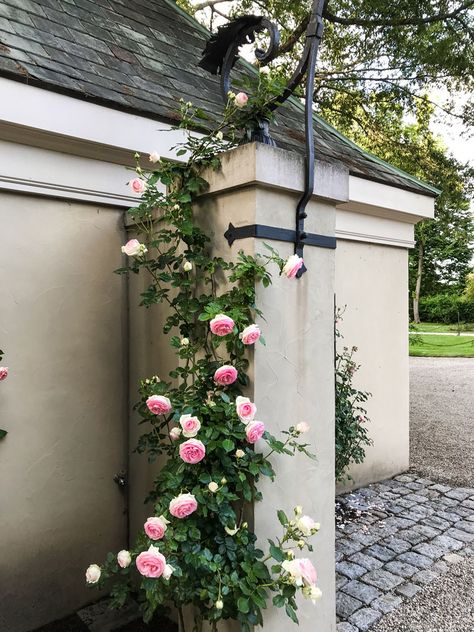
372,50
379,65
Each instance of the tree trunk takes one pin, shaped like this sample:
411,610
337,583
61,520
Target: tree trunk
416,298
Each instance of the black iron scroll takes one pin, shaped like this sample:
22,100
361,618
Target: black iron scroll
220,56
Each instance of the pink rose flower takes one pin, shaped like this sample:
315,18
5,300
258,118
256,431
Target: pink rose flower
225,375
245,409
151,563
3,373
222,325
190,425
133,248
155,527
138,185
158,404
183,505
192,451
241,99
254,431
175,434
302,427
250,334
307,571
292,265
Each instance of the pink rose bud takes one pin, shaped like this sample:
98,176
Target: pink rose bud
192,451
124,559
302,427
93,574
250,334
138,185
190,425
254,431
292,265
151,563
222,325
183,505
3,373
158,404
225,375
134,248
307,571
241,99
175,434
155,527
245,409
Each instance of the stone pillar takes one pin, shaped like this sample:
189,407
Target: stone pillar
293,375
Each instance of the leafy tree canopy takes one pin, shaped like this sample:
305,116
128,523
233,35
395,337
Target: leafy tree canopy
381,65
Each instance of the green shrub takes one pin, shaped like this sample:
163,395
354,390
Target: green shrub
351,418
446,308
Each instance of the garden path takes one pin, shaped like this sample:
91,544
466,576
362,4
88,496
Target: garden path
407,532
442,419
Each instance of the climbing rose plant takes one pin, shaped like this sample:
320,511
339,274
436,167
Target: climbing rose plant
196,548
3,376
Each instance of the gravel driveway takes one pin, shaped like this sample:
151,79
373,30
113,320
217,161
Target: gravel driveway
442,419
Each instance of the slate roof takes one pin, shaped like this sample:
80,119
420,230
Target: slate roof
141,56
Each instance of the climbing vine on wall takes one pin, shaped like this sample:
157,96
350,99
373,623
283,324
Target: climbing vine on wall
3,376
196,548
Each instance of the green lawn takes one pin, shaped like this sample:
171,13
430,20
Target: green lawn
441,327
443,346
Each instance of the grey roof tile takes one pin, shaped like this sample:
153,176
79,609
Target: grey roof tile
142,56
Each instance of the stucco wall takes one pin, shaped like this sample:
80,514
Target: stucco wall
372,282
63,328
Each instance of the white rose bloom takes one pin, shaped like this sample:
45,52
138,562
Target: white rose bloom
184,342
219,604
169,570
302,427
93,574
124,559
312,592
293,568
239,454
307,526
154,157
213,487
187,266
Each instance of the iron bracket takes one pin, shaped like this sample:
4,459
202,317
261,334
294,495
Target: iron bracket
261,231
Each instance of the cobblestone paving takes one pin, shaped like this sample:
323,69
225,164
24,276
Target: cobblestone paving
407,532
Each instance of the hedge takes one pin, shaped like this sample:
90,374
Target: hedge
446,308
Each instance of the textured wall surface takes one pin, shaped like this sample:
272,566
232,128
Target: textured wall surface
62,327
372,282
293,375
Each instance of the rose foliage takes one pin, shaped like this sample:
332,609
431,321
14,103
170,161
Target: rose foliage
196,549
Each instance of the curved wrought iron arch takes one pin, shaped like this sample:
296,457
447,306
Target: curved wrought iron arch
220,56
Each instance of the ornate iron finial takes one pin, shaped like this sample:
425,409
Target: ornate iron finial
220,56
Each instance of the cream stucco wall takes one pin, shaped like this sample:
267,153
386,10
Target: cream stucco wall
63,330
372,282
